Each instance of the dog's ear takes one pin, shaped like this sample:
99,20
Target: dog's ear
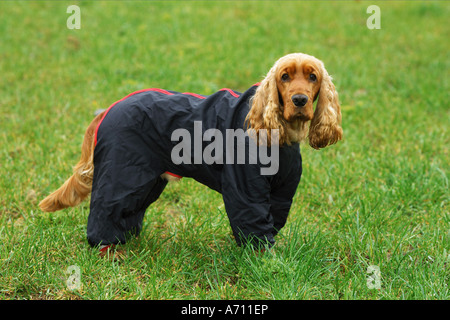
325,128
265,110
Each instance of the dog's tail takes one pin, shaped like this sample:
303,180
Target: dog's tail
79,185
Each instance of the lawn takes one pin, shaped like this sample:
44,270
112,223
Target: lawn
378,200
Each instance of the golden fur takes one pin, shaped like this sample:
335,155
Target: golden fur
266,112
79,185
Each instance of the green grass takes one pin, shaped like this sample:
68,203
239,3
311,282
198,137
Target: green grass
379,197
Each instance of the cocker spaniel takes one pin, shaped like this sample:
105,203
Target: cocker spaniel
151,136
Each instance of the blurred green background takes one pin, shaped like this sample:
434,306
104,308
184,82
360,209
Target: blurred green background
379,197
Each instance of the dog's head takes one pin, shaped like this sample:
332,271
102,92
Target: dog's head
285,101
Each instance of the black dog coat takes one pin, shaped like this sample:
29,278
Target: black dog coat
133,148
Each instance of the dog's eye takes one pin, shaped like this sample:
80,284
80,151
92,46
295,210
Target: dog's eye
285,77
312,77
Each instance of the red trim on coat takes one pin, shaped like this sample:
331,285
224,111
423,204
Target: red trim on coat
234,94
173,174
131,94
156,90
194,95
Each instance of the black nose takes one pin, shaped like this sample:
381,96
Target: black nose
299,100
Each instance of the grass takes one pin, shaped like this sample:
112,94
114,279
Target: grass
377,198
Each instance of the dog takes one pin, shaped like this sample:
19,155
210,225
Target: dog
128,151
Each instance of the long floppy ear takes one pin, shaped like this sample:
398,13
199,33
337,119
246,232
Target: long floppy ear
265,111
325,128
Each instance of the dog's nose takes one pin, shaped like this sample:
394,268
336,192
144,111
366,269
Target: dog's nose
299,100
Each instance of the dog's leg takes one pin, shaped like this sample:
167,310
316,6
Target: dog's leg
114,217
